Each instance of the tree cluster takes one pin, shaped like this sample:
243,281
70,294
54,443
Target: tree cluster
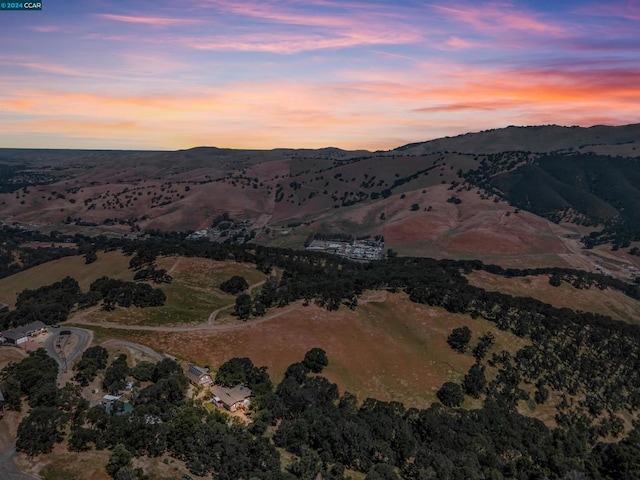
127,294
94,359
234,285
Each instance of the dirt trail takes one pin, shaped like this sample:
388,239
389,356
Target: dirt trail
175,265
214,314
190,328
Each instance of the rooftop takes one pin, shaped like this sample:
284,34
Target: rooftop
229,396
24,330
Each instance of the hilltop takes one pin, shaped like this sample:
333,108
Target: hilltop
541,139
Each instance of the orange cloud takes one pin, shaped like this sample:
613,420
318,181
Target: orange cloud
381,110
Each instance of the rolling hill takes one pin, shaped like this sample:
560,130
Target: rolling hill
517,195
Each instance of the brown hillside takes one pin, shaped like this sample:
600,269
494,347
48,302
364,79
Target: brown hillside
289,194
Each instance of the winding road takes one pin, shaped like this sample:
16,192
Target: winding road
8,469
135,346
84,336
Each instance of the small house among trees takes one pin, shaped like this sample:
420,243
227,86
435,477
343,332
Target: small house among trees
232,399
199,376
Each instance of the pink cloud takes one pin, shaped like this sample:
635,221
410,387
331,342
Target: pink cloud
47,28
334,25
155,21
460,43
377,110
499,17
292,43
332,14
627,10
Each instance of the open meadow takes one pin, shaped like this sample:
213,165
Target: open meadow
192,297
388,348
112,264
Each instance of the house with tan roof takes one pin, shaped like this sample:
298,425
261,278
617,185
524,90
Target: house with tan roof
236,398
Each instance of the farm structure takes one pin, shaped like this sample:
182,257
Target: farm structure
20,335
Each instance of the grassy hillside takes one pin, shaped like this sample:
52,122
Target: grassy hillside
602,189
192,296
606,302
588,189
388,348
111,264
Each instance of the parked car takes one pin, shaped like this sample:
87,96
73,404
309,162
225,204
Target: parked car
55,325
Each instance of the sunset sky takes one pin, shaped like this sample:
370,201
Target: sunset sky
307,74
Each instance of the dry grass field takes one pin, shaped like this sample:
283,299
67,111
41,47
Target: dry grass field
606,302
61,464
111,264
388,348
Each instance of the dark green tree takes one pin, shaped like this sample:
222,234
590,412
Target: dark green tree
475,381
243,306
143,371
485,342
451,394
234,285
39,431
93,360
115,375
315,360
555,280
120,458
90,257
382,471
459,338
165,368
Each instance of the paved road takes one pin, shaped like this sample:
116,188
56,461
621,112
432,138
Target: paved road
84,337
8,469
136,346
